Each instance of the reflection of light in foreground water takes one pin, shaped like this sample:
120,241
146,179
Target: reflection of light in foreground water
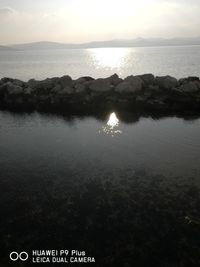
113,120
112,125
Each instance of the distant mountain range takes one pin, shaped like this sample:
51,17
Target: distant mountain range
138,42
5,48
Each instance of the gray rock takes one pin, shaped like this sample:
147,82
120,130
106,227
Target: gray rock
148,78
80,87
144,91
166,82
100,85
13,89
80,80
55,80
57,89
193,78
66,81
48,84
6,79
18,82
189,79
81,84
84,79
65,91
32,83
153,88
131,84
190,87
114,79
45,85
28,90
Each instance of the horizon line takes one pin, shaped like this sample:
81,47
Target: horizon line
100,41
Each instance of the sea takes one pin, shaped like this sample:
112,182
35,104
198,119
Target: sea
177,61
123,188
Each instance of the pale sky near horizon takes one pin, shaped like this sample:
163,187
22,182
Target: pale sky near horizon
77,21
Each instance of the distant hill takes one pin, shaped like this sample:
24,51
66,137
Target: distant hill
5,48
145,42
138,42
42,45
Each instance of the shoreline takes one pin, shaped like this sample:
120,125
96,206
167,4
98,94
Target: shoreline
136,94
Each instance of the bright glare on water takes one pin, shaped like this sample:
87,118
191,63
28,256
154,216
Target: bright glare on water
112,125
109,57
113,120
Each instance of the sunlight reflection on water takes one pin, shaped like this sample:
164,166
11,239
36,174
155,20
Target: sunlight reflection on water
112,125
109,57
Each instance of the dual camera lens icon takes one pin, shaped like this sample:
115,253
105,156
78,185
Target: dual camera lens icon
23,256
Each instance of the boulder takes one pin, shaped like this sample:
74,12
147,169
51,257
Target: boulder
193,78
18,82
190,87
100,85
66,81
166,82
65,91
148,78
153,88
80,87
28,90
32,83
45,85
131,84
6,79
48,84
81,84
114,79
57,89
189,79
84,79
13,89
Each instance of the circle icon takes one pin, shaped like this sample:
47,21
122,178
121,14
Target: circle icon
14,256
23,256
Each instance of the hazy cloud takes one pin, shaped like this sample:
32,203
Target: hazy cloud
6,11
87,20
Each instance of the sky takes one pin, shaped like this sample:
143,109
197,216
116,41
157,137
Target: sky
78,21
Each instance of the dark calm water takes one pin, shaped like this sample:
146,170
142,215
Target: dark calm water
177,61
52,144
121,191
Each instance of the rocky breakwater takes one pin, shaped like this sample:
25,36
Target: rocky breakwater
87,95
